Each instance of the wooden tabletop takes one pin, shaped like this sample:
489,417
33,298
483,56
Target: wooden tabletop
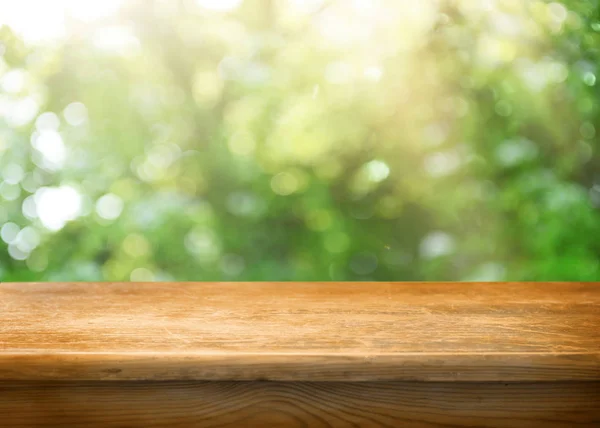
300,331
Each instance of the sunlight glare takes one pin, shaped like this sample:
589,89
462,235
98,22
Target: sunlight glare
41,21
220,5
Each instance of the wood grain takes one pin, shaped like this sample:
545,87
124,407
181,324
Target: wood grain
300,331
300,404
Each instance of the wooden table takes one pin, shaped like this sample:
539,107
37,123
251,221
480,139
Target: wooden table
300,354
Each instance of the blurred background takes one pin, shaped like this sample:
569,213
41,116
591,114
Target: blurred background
299,140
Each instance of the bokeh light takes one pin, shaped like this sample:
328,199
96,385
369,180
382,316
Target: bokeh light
299,140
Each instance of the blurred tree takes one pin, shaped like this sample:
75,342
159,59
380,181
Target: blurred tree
299,140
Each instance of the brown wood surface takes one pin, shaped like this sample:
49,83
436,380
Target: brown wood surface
300,331
300,404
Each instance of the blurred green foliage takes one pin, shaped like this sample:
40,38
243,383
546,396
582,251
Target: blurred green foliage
302,140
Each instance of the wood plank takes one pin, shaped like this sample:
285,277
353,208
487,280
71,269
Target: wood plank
300,404
300,331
